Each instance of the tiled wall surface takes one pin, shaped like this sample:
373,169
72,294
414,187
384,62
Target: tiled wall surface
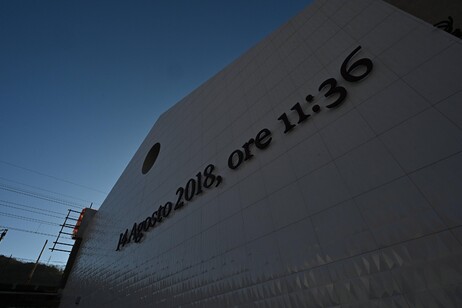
358,206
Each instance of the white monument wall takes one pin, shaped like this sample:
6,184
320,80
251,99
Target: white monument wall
356,206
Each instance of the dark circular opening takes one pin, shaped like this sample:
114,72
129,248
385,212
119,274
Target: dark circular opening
151,158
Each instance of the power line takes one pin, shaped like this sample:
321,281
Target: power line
36,194
31,207
52,177
40,196
46,190
31,211
29,219
28,231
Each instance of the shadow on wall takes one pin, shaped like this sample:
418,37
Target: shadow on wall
433,11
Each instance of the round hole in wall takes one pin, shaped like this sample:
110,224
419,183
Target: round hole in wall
151,158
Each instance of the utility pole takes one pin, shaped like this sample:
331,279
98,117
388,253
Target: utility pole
36,262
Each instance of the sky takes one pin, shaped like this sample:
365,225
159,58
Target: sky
81,84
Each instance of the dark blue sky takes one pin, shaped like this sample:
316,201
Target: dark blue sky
82,82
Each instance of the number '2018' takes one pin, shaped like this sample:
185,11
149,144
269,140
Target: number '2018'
194,186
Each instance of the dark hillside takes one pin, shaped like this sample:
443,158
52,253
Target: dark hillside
13,271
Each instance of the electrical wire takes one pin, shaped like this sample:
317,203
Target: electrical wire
29,219
28,231
52,177
30,207
36,194
46,190
31,211
40,196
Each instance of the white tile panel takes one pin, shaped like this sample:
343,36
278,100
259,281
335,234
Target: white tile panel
368,18
347,133
430,41
323,188
422,140
397,212
367,167
452,108
440,183
252,189
393,105
309,155
285,213
440,76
